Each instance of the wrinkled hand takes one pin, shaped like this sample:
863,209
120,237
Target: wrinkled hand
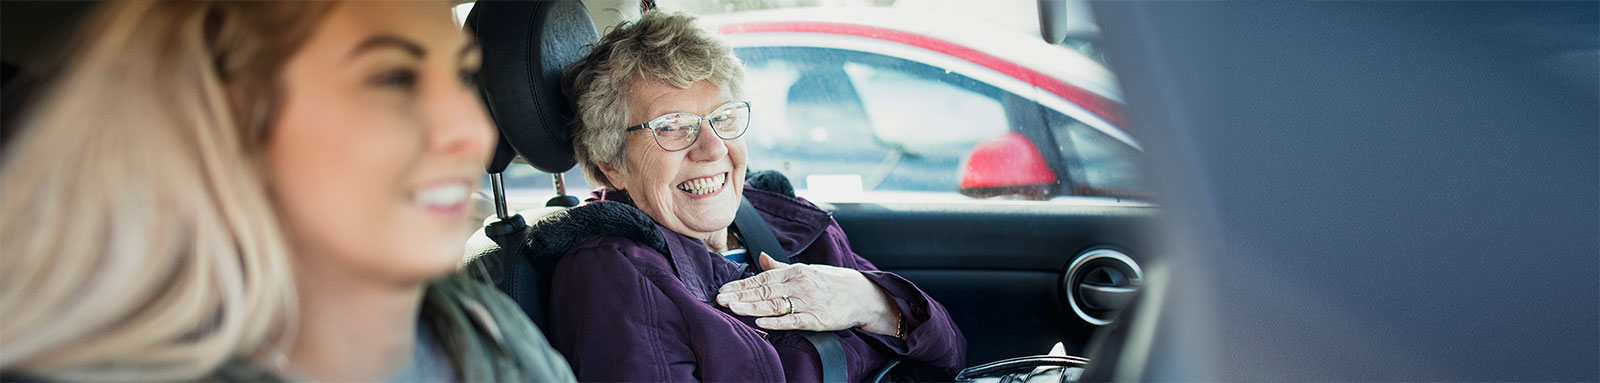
810,297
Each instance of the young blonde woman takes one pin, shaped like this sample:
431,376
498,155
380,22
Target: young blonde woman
255,191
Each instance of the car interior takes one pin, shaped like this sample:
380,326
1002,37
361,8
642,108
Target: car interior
1020,290
1406,224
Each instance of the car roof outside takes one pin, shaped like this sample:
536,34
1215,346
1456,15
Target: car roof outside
1072,83
1029,51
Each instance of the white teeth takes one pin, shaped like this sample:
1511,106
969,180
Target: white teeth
443,195
703,186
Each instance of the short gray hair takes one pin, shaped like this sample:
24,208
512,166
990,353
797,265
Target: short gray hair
664,48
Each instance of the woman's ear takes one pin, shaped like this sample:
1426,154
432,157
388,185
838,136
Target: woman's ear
616,176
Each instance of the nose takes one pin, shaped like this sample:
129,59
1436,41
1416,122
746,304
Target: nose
708,147
458,124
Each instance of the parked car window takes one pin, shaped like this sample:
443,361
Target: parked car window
1101,166
837,119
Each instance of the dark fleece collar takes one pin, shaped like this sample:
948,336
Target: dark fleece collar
556,233
611,213
795,222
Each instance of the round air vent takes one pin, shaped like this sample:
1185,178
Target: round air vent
1099,283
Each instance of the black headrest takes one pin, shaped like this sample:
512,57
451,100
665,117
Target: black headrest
526,45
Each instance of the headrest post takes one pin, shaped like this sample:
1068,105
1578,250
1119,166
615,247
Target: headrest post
561,198
561,184
498,183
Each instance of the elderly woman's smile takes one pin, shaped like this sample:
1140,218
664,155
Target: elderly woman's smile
704,187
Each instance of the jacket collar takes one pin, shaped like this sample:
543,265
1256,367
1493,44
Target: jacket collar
794,222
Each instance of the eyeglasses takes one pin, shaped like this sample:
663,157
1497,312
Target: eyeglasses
678,131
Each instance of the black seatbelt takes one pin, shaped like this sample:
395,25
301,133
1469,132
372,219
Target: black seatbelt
758,238
830,352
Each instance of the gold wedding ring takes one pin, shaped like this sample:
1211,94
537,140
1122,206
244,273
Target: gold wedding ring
789,310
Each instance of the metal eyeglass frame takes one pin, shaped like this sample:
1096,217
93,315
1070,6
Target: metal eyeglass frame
694,136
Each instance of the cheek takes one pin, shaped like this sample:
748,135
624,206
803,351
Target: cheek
738,154
654,173
650,174
336,171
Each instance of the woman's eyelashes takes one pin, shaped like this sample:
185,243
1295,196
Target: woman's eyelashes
402,79
407,80
469,77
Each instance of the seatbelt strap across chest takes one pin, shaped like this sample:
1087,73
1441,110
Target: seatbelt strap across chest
759,238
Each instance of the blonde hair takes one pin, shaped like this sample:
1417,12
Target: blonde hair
662,47
137,240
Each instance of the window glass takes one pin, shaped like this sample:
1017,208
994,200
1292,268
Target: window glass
839,121
923,114
1102,166
529,187
845,114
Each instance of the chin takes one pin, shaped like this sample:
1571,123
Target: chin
710,224
426,261
713,219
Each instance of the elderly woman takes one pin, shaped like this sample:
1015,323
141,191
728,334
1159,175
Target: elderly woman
660,127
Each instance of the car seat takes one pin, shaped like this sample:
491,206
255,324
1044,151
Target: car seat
526,46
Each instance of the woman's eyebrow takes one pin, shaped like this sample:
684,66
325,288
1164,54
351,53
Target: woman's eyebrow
381,41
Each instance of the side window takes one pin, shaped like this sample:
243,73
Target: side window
838,121
1102,166
531,187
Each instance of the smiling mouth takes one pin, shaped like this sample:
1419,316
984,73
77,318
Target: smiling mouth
704,185
446,198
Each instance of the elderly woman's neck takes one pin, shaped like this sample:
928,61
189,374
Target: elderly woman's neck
720,241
